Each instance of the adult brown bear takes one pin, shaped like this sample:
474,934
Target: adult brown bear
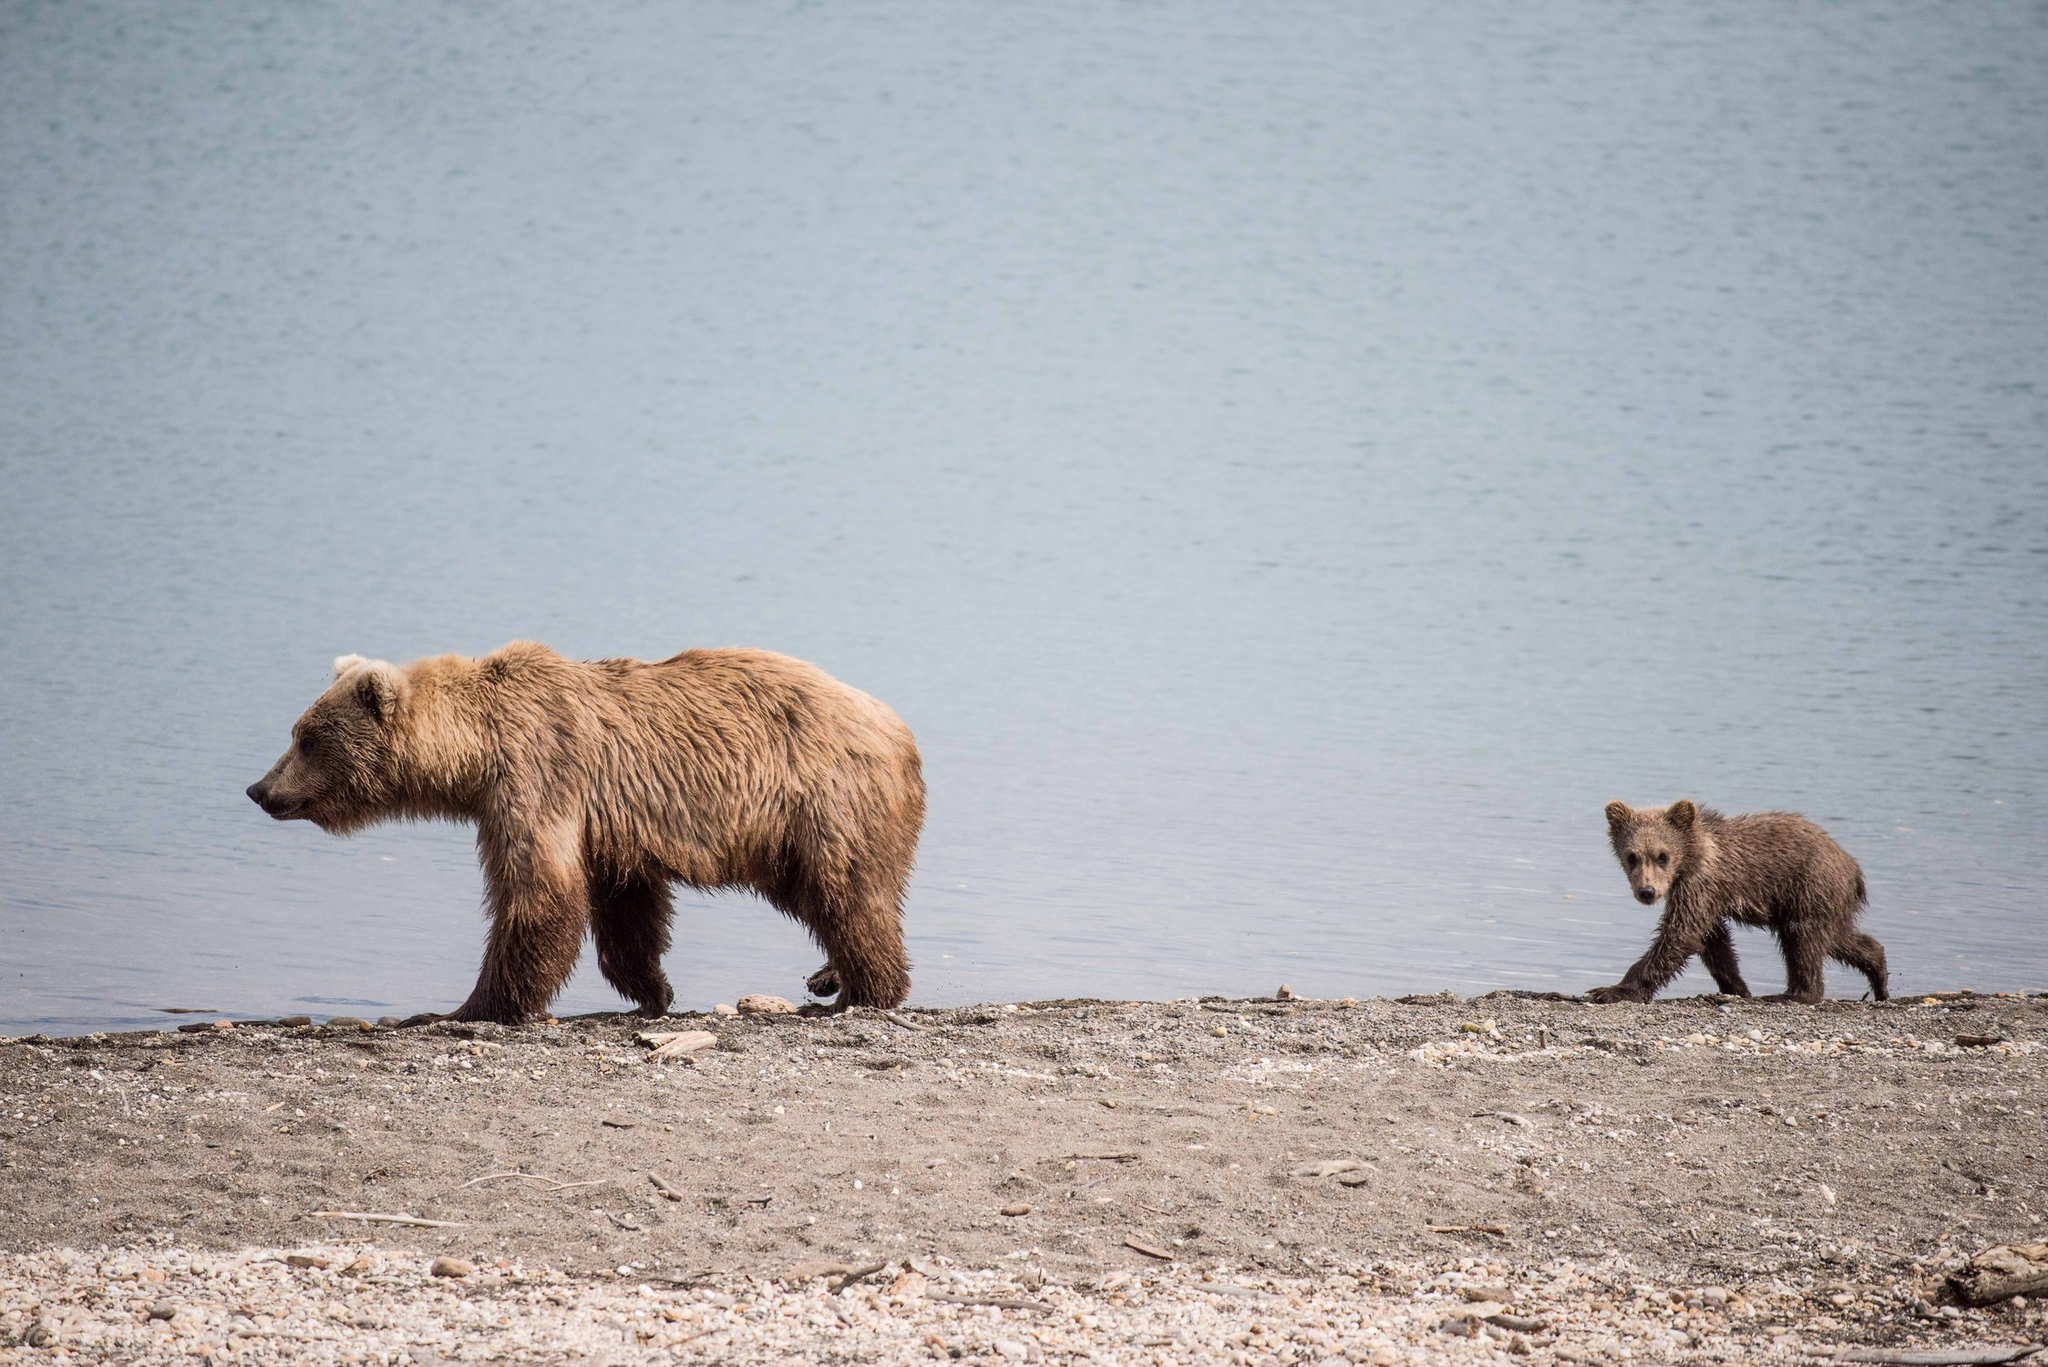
592,785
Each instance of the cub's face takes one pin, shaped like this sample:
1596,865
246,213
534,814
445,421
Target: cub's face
338,772
1650,843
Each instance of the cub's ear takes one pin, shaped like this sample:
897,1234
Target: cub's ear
1681,814
1618,815
379,685
344,663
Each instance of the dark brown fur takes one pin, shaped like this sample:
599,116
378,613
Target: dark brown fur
1770,869
592,785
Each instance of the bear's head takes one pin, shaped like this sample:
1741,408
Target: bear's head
1652,844
339,773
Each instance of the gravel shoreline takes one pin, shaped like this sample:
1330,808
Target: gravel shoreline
361,1304
1509,1178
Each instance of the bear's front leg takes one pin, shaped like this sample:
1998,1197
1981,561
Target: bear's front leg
1676,942
539,908
1718,954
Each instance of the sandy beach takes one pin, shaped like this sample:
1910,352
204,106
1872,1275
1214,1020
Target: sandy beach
1424,1180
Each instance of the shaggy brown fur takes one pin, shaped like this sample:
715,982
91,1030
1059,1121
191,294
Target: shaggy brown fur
1770,869
594,784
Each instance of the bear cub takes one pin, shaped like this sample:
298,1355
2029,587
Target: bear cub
593,785
1770,869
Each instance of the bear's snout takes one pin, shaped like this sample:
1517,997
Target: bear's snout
260,794
1646,895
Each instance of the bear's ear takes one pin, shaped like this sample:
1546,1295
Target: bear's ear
378,685
1681,814
1618,815
344,663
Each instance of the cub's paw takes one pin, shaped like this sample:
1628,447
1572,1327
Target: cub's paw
823,983
1620,992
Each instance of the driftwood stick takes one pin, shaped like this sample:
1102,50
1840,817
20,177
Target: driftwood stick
1998,1273
553,1184
1000,1302
856,1274
379,1217
1985,1355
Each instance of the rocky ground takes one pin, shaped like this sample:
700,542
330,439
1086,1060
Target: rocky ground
1428,1180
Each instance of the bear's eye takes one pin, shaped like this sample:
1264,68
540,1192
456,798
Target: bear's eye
1662,860
309,744
1633,861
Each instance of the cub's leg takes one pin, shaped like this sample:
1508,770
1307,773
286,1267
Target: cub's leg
1718,954
629,920
823,983
1804,952
539,904
1864,954
1678,939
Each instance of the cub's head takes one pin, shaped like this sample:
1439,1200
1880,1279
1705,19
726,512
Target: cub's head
1651,843
338,773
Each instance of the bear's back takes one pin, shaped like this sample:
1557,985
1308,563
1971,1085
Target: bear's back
1766,854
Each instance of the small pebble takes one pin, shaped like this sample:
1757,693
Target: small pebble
452,1267
1019,1209
761,1004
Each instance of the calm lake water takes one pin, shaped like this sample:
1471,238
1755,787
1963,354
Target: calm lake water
1290,467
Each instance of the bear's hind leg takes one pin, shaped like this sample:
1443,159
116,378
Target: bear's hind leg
629,920
1864,954
1803,958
